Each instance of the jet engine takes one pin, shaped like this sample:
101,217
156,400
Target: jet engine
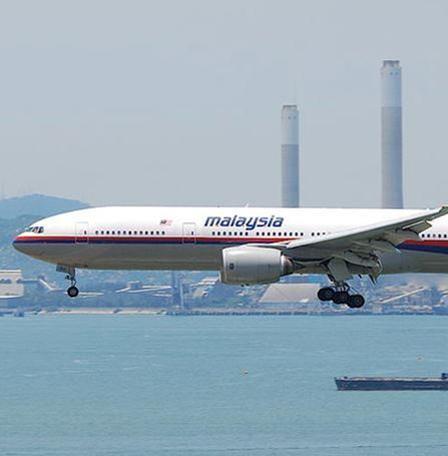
251,265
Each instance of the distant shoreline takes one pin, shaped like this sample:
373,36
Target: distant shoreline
194,312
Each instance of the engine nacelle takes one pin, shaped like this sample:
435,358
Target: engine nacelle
251,265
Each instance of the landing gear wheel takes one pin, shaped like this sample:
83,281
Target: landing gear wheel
72,291
356,301
325,294
341,297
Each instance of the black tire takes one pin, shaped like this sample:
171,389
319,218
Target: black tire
73,292
325,294
356,301
341,297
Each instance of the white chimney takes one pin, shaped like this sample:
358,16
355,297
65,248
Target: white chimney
290,156
391,135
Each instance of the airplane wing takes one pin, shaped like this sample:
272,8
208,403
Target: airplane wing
337,251
390,232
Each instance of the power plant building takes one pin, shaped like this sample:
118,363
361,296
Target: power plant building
391,135
290,156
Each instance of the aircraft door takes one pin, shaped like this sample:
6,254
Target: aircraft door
81,233
189,233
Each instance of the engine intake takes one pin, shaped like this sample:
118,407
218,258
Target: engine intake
252,265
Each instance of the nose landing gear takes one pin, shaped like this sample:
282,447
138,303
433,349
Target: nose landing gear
339,294
70,272
72,291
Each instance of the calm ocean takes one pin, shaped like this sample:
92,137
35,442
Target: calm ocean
141,385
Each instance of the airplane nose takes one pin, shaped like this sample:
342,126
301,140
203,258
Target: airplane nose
21,245
18,244
24,245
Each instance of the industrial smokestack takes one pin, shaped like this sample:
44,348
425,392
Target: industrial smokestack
290,156
391,135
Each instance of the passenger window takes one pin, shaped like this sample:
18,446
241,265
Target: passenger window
113,232
107,232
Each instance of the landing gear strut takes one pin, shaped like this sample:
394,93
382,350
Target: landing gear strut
339,294
70,272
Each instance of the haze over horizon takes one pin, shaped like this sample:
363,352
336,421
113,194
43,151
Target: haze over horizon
178,103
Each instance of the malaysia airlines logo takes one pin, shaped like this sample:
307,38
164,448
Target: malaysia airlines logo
248,223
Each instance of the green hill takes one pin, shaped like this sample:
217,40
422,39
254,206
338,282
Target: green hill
37,205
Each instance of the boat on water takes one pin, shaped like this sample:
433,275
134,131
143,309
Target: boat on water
392,383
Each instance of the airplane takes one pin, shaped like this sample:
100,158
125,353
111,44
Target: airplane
247,245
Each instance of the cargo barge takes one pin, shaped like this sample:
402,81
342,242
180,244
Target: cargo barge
392,383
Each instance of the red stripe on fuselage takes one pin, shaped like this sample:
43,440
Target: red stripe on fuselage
167,239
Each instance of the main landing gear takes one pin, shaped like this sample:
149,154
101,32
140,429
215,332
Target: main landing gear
340,295
70,272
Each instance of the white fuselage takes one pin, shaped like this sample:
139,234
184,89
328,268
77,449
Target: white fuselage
192,238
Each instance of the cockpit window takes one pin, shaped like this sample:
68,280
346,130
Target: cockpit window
35,229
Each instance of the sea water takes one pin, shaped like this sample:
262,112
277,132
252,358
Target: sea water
144,385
